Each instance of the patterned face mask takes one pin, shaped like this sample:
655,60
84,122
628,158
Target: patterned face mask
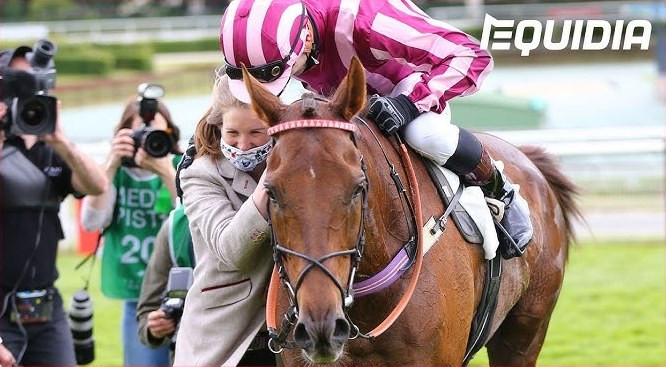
249,159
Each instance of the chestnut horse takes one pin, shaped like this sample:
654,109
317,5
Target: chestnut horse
318,188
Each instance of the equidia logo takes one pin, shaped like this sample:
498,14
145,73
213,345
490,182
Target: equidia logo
588,40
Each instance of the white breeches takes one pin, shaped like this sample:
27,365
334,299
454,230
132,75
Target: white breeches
433,136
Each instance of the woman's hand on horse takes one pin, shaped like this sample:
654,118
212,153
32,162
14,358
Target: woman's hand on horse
122,145
159,325
260,197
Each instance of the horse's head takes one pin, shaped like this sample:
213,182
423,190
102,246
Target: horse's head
317,188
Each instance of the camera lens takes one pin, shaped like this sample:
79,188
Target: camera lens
157,143
81,325
35,115
33,112
43,52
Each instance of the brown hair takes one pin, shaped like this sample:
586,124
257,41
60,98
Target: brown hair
207,134
132,110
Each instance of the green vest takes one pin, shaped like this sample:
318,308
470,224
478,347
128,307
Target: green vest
180,240
142,204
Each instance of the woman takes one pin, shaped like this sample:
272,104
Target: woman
226,203
131,213
173,248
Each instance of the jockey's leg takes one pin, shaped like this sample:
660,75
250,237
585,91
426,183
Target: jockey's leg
433,136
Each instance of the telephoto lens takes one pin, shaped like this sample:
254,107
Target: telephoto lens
81,324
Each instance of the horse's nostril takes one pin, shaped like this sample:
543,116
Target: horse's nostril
301,336
341,332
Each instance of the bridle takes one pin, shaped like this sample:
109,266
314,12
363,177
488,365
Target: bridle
355,254
278,337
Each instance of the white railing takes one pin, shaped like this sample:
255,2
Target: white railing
621,160
592,141
574,147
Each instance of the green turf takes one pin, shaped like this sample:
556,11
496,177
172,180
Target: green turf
610,312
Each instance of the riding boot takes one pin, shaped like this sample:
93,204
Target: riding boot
506,205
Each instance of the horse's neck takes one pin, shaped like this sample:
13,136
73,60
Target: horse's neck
388,217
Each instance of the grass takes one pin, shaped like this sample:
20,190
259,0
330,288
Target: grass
610,312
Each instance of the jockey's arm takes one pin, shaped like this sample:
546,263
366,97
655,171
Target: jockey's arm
448,62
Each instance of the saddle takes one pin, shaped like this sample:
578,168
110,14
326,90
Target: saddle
472,234
466,225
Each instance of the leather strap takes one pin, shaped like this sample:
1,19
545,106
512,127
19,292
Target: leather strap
271,299
390,319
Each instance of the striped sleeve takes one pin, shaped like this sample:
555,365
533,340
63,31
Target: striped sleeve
427,60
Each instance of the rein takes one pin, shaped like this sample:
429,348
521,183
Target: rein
413,184
278,337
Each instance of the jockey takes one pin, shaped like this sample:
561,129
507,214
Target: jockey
414,65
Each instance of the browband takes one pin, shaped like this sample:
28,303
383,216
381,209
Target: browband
297,124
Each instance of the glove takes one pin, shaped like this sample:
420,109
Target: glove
185,162
391,113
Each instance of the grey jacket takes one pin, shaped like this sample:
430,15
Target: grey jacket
225,308
154,283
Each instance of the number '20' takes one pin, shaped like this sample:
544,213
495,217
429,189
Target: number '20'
139,250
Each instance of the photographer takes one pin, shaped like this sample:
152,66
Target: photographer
40,167
156,316
141,168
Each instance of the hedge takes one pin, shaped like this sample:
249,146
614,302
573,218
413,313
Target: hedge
207,44
100,59
134,57
142,61
91,62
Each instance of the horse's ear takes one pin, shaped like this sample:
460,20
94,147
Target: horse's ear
349,98
268,107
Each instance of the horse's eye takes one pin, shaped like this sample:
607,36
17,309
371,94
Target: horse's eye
359,190
271,196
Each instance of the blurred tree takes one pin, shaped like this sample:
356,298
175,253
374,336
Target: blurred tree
51,9
216,6
153,8
102,9
14,10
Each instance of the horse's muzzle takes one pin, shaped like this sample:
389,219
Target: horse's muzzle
322,341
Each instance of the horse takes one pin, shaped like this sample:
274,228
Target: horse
331,189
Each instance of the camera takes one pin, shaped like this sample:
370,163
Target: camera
81,325
173,301
30,109
156,143
179,282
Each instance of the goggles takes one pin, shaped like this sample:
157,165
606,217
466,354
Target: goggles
265,73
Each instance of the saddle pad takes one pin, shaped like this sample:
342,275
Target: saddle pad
471,215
